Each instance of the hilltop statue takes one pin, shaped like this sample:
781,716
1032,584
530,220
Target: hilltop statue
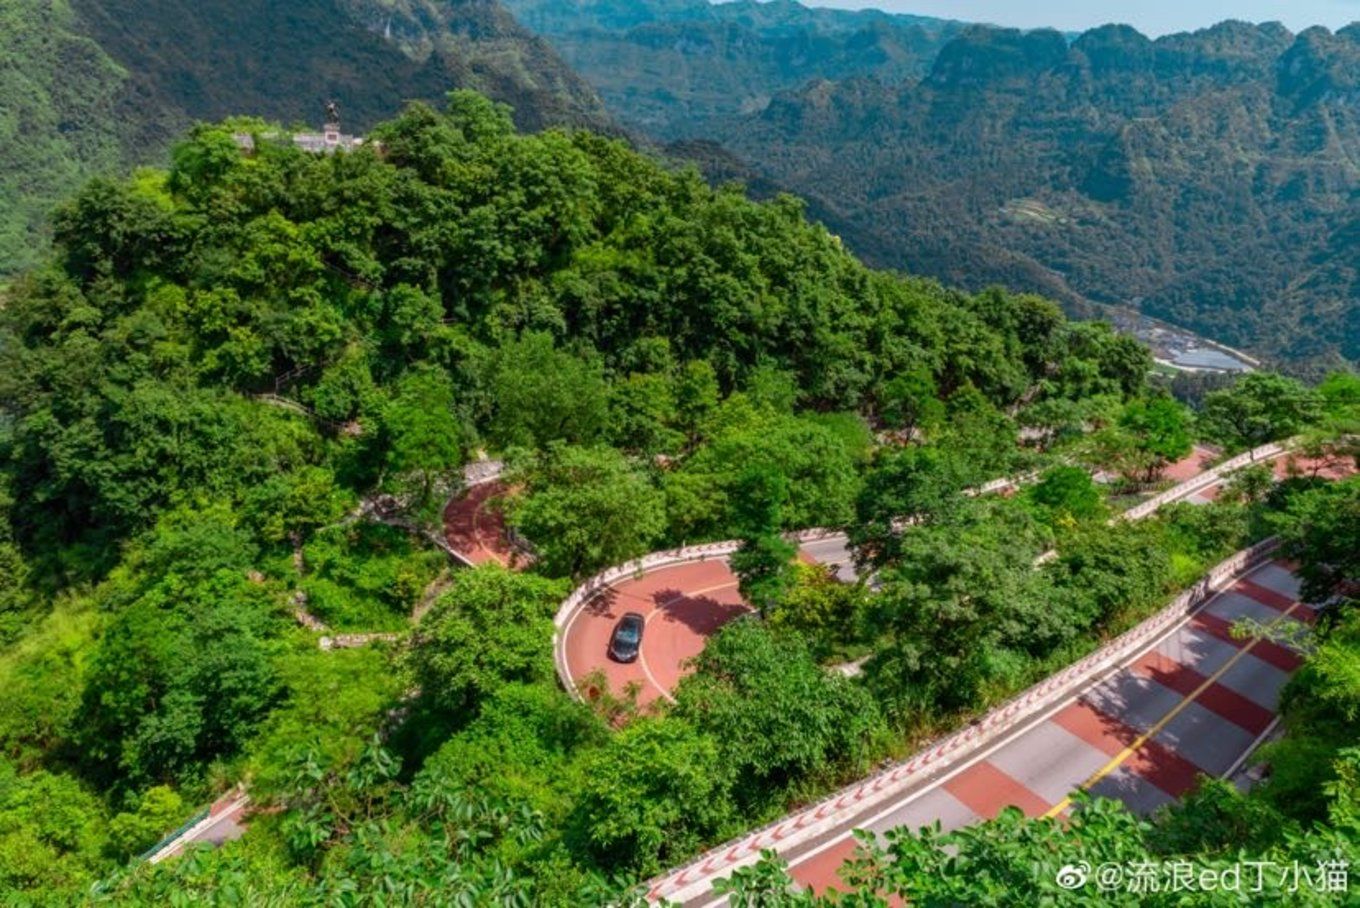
332,112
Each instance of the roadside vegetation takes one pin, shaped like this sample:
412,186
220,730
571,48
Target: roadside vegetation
1300,826
219,364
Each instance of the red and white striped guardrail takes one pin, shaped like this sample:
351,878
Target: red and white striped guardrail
695,879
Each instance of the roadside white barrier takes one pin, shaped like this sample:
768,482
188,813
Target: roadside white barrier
581,596
587,591
695,878
1212,476
229,806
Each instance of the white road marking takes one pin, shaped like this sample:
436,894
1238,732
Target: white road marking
1005,742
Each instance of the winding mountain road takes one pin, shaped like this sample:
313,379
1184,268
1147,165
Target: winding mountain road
1141,721
686,595
1193,686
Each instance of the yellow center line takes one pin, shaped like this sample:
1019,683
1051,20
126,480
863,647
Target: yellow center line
1123,756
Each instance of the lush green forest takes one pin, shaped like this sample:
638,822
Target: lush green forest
93,86
1208,179
1303,816
218,362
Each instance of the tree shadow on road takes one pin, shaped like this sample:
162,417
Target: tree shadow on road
700,614
601,605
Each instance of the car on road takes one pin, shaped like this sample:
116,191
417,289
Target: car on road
626,641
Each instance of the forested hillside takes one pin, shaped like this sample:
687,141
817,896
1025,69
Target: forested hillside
219,363
669,67
88,86
1210,179
221,360
1290,840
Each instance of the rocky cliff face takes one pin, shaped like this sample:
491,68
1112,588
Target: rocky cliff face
212,58
1211,178
670,67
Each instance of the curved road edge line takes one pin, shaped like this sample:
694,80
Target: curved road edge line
580,597
695,878
572,606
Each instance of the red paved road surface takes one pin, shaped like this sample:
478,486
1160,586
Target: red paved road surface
684,605
225,823
1325,467
475,529
1199,460
1193,703
1285,467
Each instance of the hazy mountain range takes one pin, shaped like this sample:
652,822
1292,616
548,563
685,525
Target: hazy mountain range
1212,179
670,67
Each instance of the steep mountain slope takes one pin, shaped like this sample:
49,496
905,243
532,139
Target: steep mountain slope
1212,178
57,95
670,66
89,85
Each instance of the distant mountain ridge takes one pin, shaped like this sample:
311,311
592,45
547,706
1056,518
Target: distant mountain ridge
1212,179
92,85
669,67
213,58
1209,178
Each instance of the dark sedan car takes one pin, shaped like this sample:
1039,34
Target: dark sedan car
626,640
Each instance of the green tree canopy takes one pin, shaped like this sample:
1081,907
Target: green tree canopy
1160,429
779,718
425,437
905,486
586,509
1067,493
539,394
764,563
1321,530
490,628
1261,407
656,791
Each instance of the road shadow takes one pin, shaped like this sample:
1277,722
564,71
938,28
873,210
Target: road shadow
1156,762
700,614
601,605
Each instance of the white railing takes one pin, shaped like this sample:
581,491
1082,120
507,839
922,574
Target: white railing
482,471
1263,454
695,878
230,805
572,605
354,641
585,592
